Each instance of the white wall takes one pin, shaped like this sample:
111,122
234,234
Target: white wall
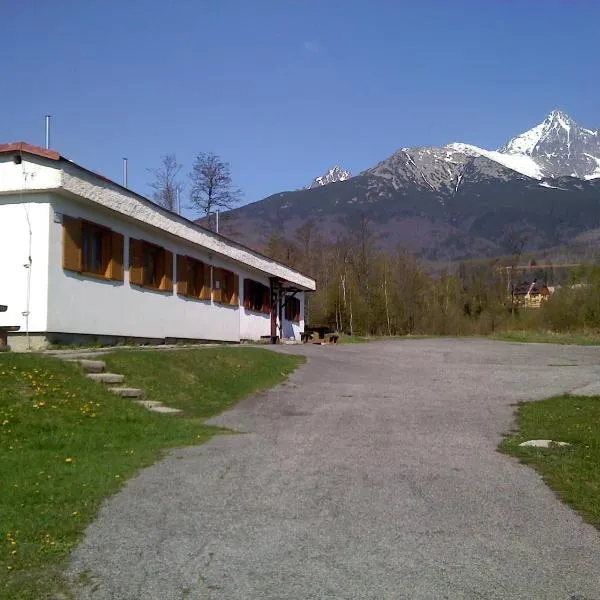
44,174
78,304
17,218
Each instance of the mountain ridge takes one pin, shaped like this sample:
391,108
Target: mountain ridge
454,201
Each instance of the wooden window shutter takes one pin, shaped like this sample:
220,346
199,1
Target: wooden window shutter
217,292
235,291
71,243
136,262
247,284
116,256
266,307
166,283
183,283
206,291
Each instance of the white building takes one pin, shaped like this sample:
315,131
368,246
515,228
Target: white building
84,259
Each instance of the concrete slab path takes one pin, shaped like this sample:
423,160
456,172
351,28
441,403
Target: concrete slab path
371,474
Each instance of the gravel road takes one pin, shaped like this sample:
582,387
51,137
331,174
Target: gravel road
372,473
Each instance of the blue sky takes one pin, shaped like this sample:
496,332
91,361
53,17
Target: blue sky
284,89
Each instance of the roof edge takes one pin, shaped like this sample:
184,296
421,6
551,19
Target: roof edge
25,148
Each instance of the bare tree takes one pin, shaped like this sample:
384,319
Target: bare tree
166,184
211,185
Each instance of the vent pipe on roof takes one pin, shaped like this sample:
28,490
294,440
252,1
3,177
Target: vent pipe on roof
48,132
124,172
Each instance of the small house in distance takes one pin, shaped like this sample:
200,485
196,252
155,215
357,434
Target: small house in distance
530,294
83,258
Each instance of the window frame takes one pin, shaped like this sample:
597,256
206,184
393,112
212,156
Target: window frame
75,233
251,287
138,251
193,278
228,294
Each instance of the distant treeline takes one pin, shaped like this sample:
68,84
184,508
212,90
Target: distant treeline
362,290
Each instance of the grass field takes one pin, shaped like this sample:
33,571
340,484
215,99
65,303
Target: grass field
67,443
572,472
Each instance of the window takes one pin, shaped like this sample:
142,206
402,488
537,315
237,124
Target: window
225,287
150,258
257,296
292,309
150,266
193,278
92,249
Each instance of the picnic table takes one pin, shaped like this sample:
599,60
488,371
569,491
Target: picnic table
320,334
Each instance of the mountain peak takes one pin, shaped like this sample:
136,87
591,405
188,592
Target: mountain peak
336,173
560,118
560,147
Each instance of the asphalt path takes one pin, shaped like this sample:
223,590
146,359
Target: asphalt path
372,473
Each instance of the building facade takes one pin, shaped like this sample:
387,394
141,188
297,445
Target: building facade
83,258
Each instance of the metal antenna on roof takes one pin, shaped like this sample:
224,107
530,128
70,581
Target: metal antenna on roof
124,172
48,132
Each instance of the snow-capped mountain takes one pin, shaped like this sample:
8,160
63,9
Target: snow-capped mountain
559,147
539,190
333,175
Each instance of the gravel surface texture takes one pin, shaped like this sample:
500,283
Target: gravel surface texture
372,473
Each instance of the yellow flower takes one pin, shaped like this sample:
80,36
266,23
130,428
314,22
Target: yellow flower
68,460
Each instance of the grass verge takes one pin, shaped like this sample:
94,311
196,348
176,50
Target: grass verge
572,472
66,443
549,337
204,381
354,339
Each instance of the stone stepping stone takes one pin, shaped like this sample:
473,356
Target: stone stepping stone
90,366
127,392
148,403
543,444
107,378
167,410
154,406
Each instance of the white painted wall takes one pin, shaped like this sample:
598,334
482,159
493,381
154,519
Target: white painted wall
30,175
17,219
79,304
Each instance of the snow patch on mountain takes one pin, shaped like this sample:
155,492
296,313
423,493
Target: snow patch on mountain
332,176
594,174
520,163
524,143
